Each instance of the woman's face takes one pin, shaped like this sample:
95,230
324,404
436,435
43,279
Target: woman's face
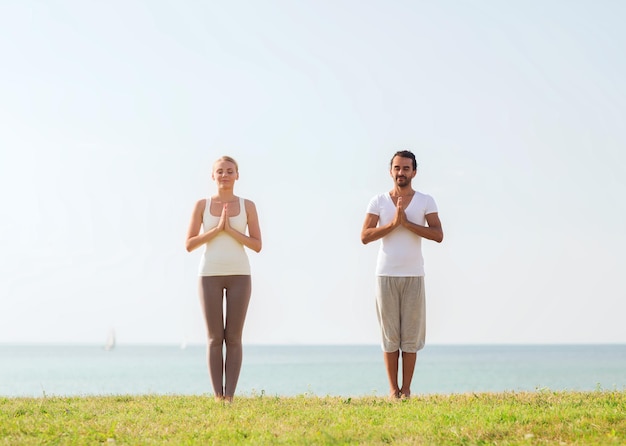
225,174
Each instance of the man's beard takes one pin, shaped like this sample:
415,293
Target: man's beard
402,181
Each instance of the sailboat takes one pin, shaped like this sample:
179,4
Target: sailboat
110,342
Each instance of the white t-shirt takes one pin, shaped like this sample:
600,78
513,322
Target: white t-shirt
400,252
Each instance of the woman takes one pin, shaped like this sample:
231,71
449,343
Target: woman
224,271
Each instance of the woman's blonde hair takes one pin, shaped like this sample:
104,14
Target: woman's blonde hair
229,159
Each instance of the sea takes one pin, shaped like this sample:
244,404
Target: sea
347,370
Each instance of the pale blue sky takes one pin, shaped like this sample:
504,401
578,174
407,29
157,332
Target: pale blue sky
111,114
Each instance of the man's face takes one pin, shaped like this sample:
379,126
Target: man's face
402,171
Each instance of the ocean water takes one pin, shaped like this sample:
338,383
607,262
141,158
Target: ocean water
49,370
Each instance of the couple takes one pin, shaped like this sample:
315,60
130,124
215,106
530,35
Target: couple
400,217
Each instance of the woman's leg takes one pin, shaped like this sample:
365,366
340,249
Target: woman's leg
238,292
211,299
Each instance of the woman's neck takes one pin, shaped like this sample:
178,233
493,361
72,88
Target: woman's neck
225,196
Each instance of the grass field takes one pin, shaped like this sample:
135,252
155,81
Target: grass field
541,417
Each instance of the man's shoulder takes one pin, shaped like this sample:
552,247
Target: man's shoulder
421,194
425,201
379,198
376,203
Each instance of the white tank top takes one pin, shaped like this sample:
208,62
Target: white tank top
223,255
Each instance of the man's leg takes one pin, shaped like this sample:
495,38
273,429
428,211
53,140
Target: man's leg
391,365
388,312
408,367
413,311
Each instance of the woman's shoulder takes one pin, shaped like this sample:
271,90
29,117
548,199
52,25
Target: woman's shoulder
248,204
201,204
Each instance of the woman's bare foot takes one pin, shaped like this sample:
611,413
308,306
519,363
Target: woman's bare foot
405,394
394,394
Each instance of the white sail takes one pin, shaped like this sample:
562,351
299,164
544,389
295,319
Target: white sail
110,343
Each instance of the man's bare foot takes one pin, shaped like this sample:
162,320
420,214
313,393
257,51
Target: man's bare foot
394,394
228,399
405,394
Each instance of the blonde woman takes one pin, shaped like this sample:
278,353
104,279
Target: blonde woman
219,224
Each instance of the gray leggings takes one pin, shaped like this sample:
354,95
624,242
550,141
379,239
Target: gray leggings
220,331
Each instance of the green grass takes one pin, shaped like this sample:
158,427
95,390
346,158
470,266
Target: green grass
541,417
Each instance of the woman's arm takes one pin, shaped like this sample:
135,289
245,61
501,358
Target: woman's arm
194,238
253,240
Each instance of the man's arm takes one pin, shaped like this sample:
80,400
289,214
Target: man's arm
372,232
433,231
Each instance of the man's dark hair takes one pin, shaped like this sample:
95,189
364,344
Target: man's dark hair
404,154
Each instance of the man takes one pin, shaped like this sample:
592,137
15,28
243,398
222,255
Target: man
401,218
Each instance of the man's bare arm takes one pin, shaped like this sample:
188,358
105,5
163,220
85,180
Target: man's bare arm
433,231
371,232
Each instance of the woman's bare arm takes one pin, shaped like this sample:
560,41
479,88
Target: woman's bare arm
194,238
253,240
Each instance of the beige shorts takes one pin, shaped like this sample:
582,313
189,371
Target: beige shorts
401,310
